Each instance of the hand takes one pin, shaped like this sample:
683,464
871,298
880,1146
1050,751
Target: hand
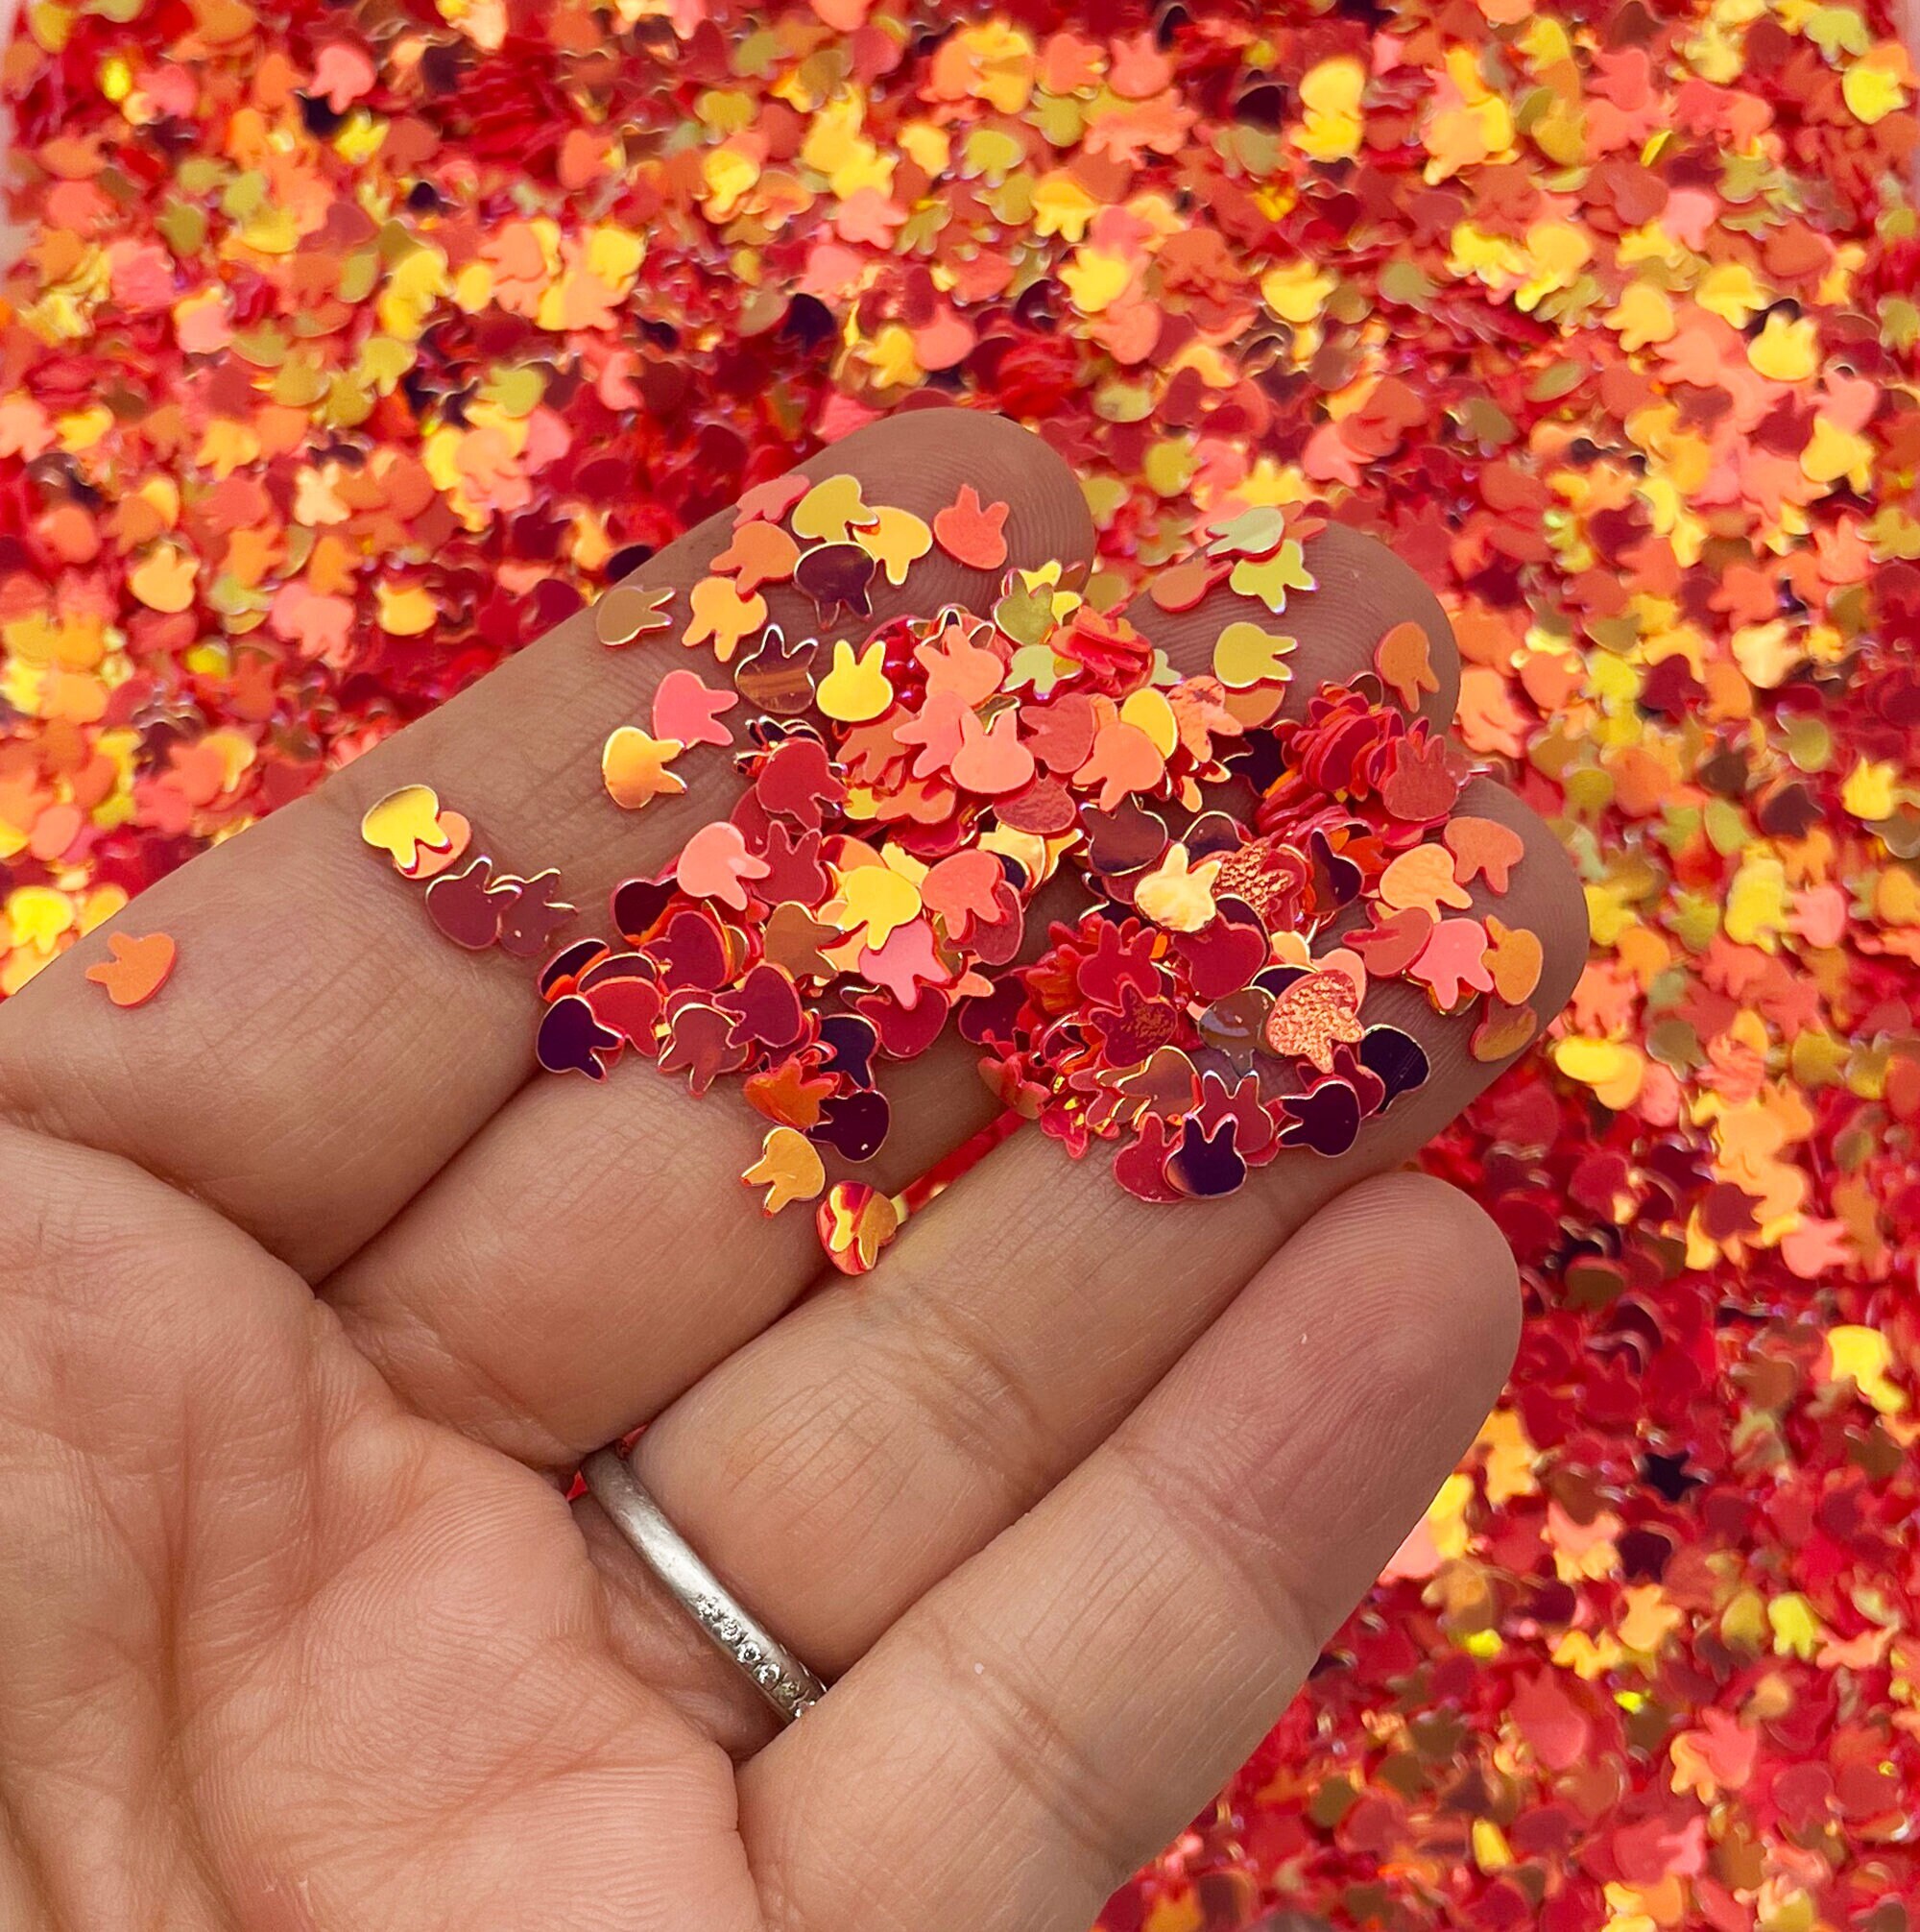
311,1298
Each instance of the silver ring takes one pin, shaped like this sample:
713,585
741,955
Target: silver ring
775,1672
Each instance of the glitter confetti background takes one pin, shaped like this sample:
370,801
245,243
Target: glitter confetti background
352,347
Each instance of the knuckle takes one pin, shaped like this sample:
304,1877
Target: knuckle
1011,1724
1232,1540
969,1389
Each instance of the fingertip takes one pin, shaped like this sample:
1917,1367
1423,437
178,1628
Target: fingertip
1547,894
1430,1283
1462,1285
1369,589
1004,462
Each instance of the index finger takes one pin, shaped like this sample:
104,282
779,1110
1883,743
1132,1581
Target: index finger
320,1050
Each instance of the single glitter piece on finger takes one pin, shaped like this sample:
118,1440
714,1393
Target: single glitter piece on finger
1312,1016
838,578
571,1039
721,616
466,907
1245,655
971,532
139,967
1184,585
789,1168
1404,659
532,912
633,768
406,824
1515,959
1271,578
855,689
1504,1031
770,501
1484,848
778,677
1422,878
896,540
760,554
831,511
688,710
857,1223
627,612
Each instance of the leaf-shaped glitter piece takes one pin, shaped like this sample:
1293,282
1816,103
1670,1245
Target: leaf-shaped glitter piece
971,532
633,768
403,824
137,970
789,1168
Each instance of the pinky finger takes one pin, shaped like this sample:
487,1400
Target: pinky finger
1056,1709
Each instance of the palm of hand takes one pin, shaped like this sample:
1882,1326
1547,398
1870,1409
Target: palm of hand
297,1631
335,1665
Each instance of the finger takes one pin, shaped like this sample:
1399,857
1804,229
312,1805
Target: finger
548,1334
1056,1709
842,1463
320,1051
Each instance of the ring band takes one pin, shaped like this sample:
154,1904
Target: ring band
775,1672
